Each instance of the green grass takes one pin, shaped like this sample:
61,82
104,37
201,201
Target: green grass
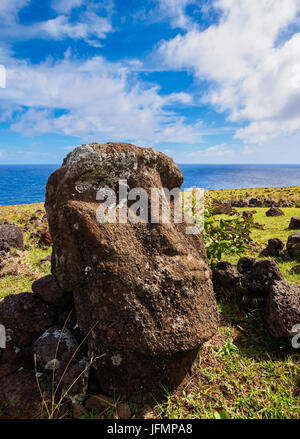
242,372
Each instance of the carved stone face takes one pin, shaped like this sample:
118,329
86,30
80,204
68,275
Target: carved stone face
146,286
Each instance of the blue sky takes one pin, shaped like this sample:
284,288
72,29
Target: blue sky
211,81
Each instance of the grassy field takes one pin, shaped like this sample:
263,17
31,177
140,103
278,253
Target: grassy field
242,372
274,194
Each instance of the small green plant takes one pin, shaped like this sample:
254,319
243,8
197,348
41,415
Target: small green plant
227,236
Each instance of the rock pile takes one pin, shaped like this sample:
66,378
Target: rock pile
262,280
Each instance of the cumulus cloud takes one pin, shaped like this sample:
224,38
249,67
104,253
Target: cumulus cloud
65,6
9,10
60,27
175,10
92,99
252,70
92,24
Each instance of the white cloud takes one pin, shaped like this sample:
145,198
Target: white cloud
220,153
9,10
60,27
92,99
254,76
66,6
212,151
91,25
175,10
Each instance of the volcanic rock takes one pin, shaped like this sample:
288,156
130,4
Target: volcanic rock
225,277
294,224
50,292
274,211
12,235
293,246
259,278
273,248
143,293
245,264
283,309
19,395
25,317
222,209
54,347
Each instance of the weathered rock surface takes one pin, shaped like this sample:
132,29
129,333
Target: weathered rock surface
245,264
99,403
274,211
4,247
283,309
25,317
123,411
258,279
274,248
225,277
293,246
53,348
73,378
142,291
294,223
19,395
12,235
50,292
222,209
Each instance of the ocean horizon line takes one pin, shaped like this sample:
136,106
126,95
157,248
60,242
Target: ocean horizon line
178,164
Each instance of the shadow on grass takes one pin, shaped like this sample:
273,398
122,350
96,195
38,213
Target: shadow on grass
253,339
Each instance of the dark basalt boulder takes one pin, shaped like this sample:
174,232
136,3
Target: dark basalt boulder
19,395
258,279
294,224
53,347
274,248
283,309
12,235
225,277
50,292
222,209
245,264
25,317
274,211
293,247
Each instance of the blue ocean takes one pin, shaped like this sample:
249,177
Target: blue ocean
23,184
